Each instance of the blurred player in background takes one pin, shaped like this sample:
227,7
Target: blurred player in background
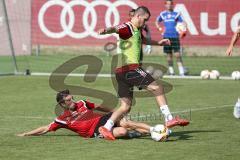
234,40
80,118
170,19
129,72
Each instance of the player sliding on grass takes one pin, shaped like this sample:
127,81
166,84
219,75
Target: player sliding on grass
80,117
234,40
129,72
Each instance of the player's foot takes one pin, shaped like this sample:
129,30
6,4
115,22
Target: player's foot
106,133
177,121
182,122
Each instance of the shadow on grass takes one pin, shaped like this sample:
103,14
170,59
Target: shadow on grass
61,135
186,135
179,135
175,136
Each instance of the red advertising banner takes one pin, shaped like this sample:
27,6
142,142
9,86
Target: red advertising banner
76,22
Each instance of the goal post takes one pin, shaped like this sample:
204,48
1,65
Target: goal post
15,39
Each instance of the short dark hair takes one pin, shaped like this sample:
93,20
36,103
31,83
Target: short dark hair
169,1
132,10
60,95
142,10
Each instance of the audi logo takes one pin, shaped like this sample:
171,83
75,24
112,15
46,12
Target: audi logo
89,17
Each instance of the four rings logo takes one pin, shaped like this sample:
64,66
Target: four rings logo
67,17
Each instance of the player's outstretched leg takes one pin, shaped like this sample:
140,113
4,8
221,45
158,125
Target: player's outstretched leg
158,91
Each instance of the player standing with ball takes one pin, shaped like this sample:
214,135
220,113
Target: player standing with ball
170,19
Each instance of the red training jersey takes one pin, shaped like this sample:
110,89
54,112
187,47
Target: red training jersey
82,120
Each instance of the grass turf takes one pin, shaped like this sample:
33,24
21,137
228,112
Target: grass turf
27,103
47,63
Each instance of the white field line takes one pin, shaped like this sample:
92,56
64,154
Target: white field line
185,111
133,117
111,75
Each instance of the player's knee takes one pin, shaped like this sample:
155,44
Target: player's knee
169,58
170,62
179,59
125,124
125,108
126,105
153,88
156,90
122,132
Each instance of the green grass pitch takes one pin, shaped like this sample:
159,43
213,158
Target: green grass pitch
47,63
27,102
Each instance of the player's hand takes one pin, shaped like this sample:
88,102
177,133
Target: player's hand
101,31
183,34
229,51
22,135
164,42
148,49
160,29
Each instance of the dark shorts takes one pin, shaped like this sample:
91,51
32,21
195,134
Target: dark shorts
101,122
127,80
174,47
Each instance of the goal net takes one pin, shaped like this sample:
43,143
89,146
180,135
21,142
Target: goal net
15,39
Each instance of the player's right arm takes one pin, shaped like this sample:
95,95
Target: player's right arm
158,20
109,30
125,30
36,132
162,42
57,124
234,40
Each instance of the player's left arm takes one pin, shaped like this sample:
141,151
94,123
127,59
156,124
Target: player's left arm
158,20
162,42
36,132
148,48
148,35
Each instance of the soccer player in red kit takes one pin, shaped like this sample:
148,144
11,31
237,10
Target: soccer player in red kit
80,117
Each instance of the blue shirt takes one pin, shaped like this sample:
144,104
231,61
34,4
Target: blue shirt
170,20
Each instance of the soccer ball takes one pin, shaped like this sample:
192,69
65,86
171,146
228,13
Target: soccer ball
181,28
150,70
214,74
236,75
157,74
205,74
160,133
